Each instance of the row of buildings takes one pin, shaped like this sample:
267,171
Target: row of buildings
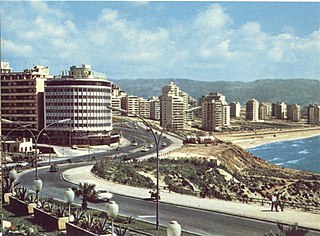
36,99
256,111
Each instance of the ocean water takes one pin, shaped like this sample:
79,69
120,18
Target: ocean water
301,154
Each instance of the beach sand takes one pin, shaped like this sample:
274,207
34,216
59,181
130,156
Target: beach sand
250,139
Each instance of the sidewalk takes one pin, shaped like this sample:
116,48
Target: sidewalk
288,216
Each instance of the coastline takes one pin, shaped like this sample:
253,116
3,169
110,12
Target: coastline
251,140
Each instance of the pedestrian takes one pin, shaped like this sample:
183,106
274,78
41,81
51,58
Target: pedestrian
274,203
279,201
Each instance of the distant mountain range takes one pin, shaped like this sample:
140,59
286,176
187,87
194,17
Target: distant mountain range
289,91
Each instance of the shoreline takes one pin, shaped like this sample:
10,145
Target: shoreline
252,140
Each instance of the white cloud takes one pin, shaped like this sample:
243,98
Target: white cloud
10,47
208,46
213,18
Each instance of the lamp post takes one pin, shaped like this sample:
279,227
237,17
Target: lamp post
173,229
157,144
112,210
69,197
12,177
37,184
38,136
45,134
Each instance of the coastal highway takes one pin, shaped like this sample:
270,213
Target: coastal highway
197,221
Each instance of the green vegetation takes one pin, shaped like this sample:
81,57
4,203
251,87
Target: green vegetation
186,176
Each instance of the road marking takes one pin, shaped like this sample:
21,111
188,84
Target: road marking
151,216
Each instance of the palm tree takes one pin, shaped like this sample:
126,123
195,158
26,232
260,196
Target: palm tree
86,191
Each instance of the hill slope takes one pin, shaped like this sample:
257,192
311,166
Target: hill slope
290,91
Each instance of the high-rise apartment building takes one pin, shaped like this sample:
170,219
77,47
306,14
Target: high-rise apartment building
215,112
116,95
235,109
314,114
130,103
264,110
22,98
279,110
252,110
144,108
154,108
83,96
173,103
294,112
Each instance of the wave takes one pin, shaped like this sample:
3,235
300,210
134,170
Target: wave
274,159
293,161
294,145
304,151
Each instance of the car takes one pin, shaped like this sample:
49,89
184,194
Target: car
22,164
134,143
54,168
74,147
150,145
118,149
145,149
164,144
103,195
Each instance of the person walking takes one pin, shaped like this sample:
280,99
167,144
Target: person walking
279,201
274,203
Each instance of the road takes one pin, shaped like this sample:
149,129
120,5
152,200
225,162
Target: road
197,221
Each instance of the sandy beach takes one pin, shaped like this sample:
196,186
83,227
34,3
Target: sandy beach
250,139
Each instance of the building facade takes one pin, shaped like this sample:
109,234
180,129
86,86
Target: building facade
235,109
173,103
22,98
83,96
252,110
215,112
154,108
264,111
314,114
294,112
116,95
144,108
130,103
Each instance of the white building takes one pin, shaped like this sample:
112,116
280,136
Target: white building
154,108
215,112
144,108
314,114
83,96
173,103
130,103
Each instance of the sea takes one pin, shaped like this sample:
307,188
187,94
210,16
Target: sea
301,154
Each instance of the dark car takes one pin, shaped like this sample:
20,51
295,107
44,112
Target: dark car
54,168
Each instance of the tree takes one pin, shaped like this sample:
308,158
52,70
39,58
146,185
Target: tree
86,191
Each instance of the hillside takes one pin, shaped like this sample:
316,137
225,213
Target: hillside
220,170
290,91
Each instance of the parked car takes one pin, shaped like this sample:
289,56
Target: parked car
74,147
164,144
134,143
118,149
150,145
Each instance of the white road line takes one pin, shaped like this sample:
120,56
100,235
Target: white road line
151,216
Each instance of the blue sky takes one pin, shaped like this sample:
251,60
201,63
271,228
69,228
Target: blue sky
231,41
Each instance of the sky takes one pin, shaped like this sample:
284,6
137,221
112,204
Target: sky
207,41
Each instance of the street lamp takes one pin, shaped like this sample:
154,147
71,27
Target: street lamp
12,177
37,184
157,144
45,134
173,229
112,210
69,197
38,136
